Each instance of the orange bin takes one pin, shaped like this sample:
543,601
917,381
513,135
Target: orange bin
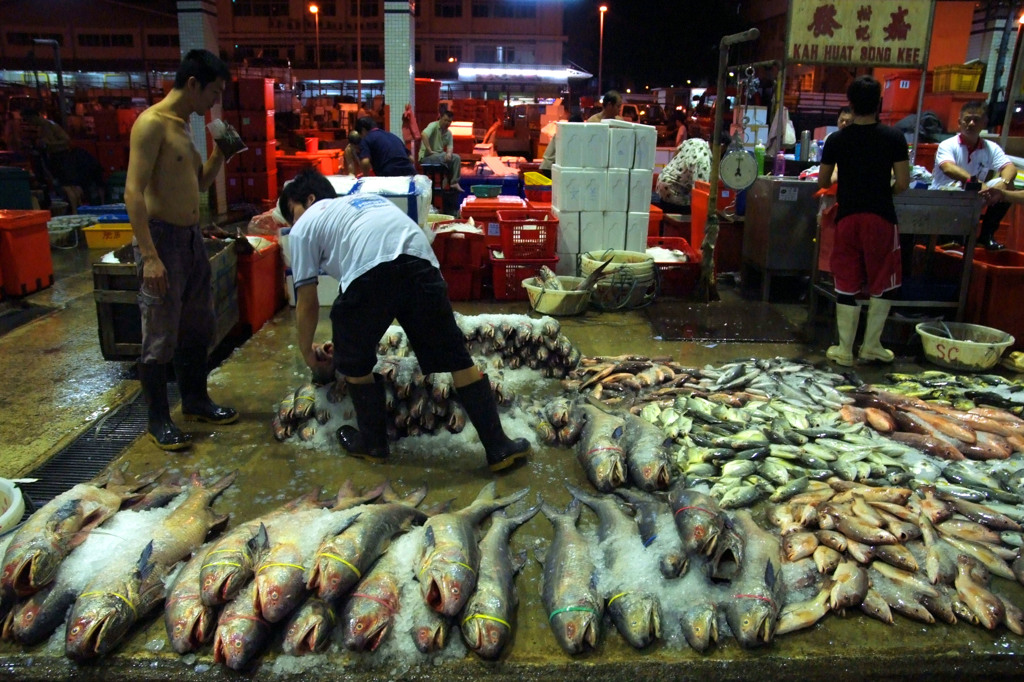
25,251
484,213
677,278
260,286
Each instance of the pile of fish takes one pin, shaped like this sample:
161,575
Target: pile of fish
926,556
109,578
962,391
420,404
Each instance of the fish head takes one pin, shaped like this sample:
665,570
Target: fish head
190,623
700,627
97,624
637,617
674,565
655,475
222,579
577,629
431,638
279,590
239,640
31,567
486,636
308,633
447,585
329,578
700,531
608,470
753,624
366,624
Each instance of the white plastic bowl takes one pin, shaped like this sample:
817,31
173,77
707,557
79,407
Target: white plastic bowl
973,348
12,505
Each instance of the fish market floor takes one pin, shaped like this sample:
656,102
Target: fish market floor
58,384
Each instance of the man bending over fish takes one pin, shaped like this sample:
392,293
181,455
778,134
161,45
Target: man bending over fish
387,271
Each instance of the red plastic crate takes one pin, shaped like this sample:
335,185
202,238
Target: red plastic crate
677,279
508,275
256,93
654,221
899,93
260,157
996,279
256,125
464,284
459,249
538,193
25,251
258,186
260,286
484,213
528,233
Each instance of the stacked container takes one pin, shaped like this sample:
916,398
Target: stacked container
252,176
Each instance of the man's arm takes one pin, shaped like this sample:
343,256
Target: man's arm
955,172
1008,173
146,138
825,171
208,173
307,315
901,170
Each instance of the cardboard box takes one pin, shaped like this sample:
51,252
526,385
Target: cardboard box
640,189
617,189
568,231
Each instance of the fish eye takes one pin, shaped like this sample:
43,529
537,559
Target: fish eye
455,590
359,627
30,615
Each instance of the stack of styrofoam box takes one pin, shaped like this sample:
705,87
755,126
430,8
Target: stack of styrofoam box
601,188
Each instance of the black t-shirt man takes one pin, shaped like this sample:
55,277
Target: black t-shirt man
865,155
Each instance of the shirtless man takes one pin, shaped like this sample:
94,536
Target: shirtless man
165,177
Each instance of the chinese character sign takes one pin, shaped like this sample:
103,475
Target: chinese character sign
859,32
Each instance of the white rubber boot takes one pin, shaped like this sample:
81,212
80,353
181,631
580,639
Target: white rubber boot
847,318
871,349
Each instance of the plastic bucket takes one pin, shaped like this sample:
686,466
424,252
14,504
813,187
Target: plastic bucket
973,348
629,281
554,301
312,145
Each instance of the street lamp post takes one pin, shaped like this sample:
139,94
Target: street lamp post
315,11
359,52
600,51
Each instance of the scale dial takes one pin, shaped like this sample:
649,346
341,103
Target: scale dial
738,169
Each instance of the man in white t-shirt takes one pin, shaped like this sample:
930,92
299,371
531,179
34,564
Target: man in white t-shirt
387,271
968,158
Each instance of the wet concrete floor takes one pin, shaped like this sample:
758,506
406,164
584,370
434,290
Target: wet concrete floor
58,384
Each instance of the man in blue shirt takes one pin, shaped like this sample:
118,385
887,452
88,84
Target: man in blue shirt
382,151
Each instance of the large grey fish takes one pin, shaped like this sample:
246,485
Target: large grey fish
489,617
700,624
652,515
341,560
369,612
34,619
309,628
570,583
190,623
599,449
646,457
450,563
699,520
241,634
113,602
48,536
757,591
635,612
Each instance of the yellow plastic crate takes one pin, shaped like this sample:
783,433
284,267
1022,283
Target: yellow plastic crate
108,235
537,179
958,77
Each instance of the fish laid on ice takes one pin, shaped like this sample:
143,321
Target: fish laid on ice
599,449
758,588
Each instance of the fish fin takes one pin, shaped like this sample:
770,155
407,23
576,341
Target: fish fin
520,519
428,539
347,489
346,523
222,483
259,542
144,566
512,498
381,492
617,433
439,508
64,512
581,495
573,510
488,493
769,575
414,498
219,523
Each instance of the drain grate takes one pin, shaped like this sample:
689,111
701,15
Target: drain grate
86,456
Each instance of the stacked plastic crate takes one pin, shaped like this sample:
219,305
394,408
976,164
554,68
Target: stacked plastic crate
249,107
601,188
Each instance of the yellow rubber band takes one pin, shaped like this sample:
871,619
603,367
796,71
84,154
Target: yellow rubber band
620,594
119,596
426,564
482,616
301,568
338,558
223,551
220,563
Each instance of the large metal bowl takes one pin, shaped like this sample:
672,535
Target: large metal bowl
969,347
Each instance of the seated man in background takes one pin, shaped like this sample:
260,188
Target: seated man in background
967,158
437,147
382,151
692,162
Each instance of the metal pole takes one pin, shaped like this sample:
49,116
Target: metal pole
60,75
600,52
1012,89
359,52
319,74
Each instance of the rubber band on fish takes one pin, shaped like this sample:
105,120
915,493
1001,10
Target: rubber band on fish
620,594
571,608
706,511
766,600
223,551
649,541
301,568
115,594
380,601
483,616
433,557
233,564
606,447
338,558
180,597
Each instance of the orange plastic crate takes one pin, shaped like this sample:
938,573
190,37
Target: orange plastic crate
677,278
508,275
528,233
484,213
459,249
25,251
464,284
260,286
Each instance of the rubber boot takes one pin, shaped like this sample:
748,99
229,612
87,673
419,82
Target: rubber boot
190,368
370,440
847,318
871,349
987,240
160,429
482,409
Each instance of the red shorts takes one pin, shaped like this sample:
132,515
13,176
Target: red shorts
866,255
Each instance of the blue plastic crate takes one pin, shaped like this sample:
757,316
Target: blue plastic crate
105,209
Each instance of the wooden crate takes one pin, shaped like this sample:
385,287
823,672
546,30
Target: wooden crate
116,287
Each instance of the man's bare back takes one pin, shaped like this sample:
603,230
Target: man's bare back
172,193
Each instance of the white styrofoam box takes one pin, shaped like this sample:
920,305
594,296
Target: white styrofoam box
640,189
621,147
569,150
662,155
568,230
410,193
568,263
646,143
326,289
753,114
752,134
343,184
595,186
636,230
592,235
595,145
567,188
615,229
616,196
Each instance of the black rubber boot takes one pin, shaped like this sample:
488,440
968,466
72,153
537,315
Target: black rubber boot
370,440
482,409
986,240
161,430
190,368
